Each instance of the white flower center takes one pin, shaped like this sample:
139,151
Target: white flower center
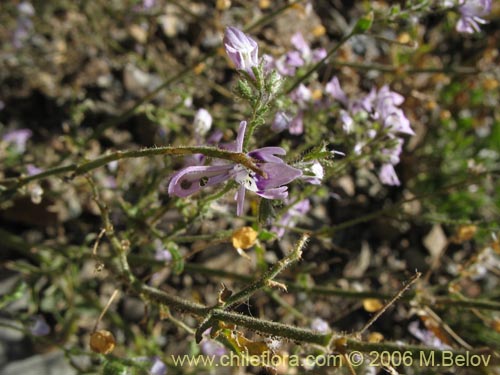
245,177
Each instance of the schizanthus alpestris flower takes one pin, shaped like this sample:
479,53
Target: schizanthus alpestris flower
271,185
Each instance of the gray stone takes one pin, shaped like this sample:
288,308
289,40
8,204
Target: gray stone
53,363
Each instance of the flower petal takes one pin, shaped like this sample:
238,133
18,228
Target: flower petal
277,174
276,193
240,200
190,180
267,154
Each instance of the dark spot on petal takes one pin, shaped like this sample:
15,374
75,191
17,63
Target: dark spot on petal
186,184
203,181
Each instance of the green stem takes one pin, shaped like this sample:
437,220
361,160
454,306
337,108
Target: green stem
354,294
269,276
87,166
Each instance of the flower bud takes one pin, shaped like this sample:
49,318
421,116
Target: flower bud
241,49
202,122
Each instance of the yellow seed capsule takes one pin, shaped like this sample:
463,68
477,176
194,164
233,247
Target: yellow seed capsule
244,238
375,337
372,304
496,325
102,342
223,4
319,31
317,94
465,233
264,4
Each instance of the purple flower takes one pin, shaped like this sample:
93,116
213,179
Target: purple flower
426,336
33,170
319,325
281,122
293,59
333,88
471,12
388,176
277,173
241,49
386,108
39,327
18,139
148,4
211,347
297,124
158,367
161,253
302,54
295,212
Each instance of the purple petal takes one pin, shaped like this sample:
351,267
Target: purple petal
333,88
293,59
241,49
276,193
158,367
398,122
40,327
241,136
297,124
240,200
318,54
280,122
277,174
299,42
189,180
267,154
18,138
388,176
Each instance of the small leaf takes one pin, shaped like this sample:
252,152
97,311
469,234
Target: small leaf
178,261
364,24
266,211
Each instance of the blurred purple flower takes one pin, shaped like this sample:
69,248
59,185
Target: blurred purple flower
26,9
320,325
426,336
192,179
281,122
32,169
241,49
333,88
382,106
471,12
301,95
296,211
302,54
161,253
148,4
388,176
158,367
296,126
39,327
18,139
24,23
